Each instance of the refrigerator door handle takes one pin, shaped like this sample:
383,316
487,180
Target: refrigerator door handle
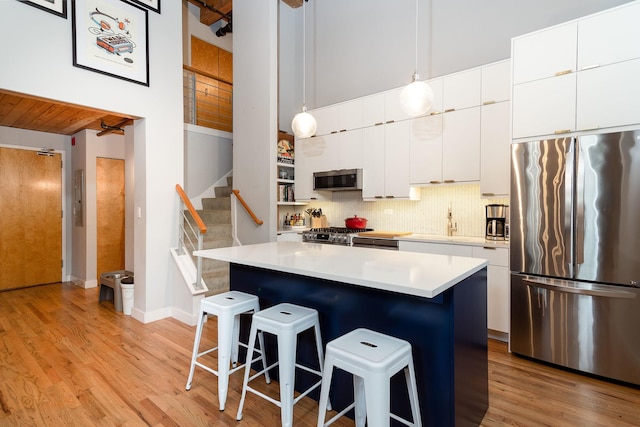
570,287
569,179
579,189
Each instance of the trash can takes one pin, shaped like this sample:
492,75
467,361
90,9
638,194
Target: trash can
110,286
127,295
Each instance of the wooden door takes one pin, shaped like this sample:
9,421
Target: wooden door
110,214
30,218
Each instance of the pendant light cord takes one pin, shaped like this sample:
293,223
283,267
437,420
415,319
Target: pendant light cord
304,57
416,44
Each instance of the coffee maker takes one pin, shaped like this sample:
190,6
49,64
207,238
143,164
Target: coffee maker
497,222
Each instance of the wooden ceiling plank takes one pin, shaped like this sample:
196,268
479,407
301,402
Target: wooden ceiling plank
19,109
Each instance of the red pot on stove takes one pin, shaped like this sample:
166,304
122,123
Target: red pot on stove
355,222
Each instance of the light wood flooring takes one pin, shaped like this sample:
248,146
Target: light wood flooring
66,359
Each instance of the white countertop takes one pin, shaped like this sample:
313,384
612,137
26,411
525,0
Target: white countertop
411,273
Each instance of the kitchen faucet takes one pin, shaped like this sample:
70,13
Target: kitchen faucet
451,228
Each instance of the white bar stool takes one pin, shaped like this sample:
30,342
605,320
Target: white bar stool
285,321
372,358
227,307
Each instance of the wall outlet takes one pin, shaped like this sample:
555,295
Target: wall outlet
388,211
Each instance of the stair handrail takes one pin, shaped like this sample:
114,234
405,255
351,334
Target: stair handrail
247,208
202,229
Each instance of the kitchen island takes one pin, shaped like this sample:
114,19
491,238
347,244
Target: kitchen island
436,302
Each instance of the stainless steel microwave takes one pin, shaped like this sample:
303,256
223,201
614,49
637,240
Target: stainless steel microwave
338,180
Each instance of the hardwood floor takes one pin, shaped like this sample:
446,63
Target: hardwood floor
66,359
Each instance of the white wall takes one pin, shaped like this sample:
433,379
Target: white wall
208,157
255,115
361,47
45,69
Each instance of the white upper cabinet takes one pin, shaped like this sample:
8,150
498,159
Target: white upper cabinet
312,155
496,82
545,53
324,119
425,164
436,104
609,37
339,117
373,165
495,141
461,90
609,96
393,111
544,107
461,145
373,110
600,52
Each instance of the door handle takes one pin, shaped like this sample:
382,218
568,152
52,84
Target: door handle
569,287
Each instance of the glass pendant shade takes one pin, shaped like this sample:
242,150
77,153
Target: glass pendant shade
416,98
304,124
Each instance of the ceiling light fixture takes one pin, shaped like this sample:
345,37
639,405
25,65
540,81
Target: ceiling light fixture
304,124
417,96
223,31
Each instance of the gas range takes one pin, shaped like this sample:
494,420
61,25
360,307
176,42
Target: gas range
332,235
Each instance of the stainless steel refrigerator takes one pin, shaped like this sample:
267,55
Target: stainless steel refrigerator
575,253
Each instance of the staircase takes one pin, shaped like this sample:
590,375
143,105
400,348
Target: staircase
216,215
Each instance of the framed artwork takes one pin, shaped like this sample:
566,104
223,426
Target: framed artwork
57,7
111,37
149,4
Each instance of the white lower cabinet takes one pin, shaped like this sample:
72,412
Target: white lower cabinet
289,237
436,248
497,286
497,277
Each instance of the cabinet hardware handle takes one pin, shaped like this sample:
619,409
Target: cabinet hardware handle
449,181
334,131
313,198
435,113
488,194
390,121
390,197
587,129
488,102
489,248
557,132
588,67
377,197
449,110
343,130
434,182
379,124
562,73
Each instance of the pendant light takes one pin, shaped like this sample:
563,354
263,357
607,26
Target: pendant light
304,124
417,96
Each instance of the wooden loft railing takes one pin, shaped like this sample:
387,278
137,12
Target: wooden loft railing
247,208
208,99
187,234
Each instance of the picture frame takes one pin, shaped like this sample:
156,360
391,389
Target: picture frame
111,37
56,7
153,5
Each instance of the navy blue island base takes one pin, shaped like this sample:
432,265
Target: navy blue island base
448,334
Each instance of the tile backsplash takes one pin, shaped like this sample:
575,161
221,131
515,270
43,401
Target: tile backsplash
428,215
